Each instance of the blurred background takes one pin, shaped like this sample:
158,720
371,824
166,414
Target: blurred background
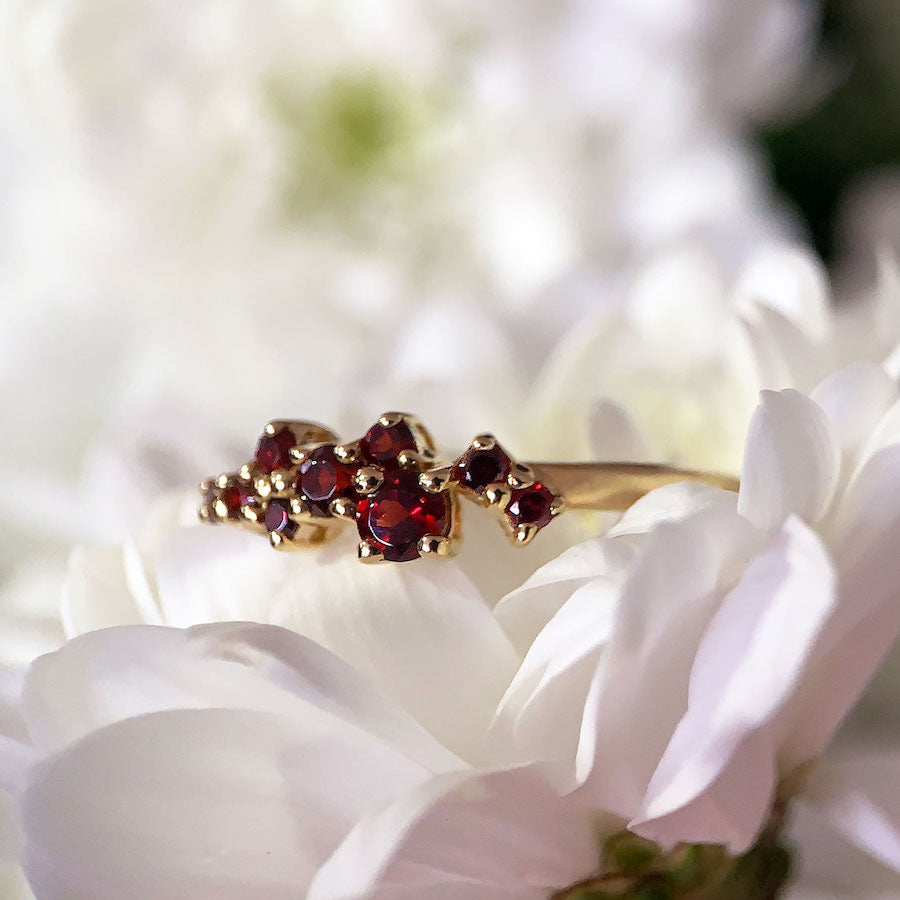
558,221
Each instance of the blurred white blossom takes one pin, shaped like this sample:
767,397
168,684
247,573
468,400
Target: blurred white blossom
672,373
683,675
304,207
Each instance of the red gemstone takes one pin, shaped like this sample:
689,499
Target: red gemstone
278,518
399,514
479,468
274,450
382,443
323,478
531,506
236,495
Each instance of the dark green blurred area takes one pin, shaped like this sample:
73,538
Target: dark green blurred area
855,129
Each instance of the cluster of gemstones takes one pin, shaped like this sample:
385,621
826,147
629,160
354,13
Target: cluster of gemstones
302,484
488,474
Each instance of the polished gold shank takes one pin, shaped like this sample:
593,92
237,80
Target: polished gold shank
616,486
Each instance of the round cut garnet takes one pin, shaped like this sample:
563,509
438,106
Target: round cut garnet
278,518
383,443
323,478
479,468
235,496
274,450
531,506
399,514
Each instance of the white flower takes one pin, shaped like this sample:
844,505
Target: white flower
739,637
679,364
432,147
272,211
678,675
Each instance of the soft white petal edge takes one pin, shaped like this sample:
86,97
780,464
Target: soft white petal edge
526,610
503,835
792,461
860,798
217,803
753,656
109,675
424,636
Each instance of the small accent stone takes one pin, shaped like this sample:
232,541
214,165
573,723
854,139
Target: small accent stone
323,478
476,469
273,451
278,518
531,506
383,443
399,514
235,496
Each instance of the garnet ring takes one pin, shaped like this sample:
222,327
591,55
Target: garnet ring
303,484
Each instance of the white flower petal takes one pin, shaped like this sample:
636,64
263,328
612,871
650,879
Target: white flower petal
109,675
865,534
497,566
639,689
854,399
671,503
783,356
29,611
737,799
615,436
540,715
16,761
791,463
677,302
884,435
830,866
860,798
503,835
755,652
95,593
526,610
422,632
568,386
887,294
13,885
199,803
794,283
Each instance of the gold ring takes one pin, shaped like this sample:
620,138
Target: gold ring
303,485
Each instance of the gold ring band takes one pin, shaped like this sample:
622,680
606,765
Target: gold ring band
303,484
614,486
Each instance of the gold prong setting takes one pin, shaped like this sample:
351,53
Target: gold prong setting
303,485
369,552
487,474
397,512
436,480
368,479
436,545
228,498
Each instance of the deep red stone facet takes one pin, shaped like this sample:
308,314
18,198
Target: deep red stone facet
273,451
324,478
399,514
278,518
531,506
479,468
236,495
382,443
